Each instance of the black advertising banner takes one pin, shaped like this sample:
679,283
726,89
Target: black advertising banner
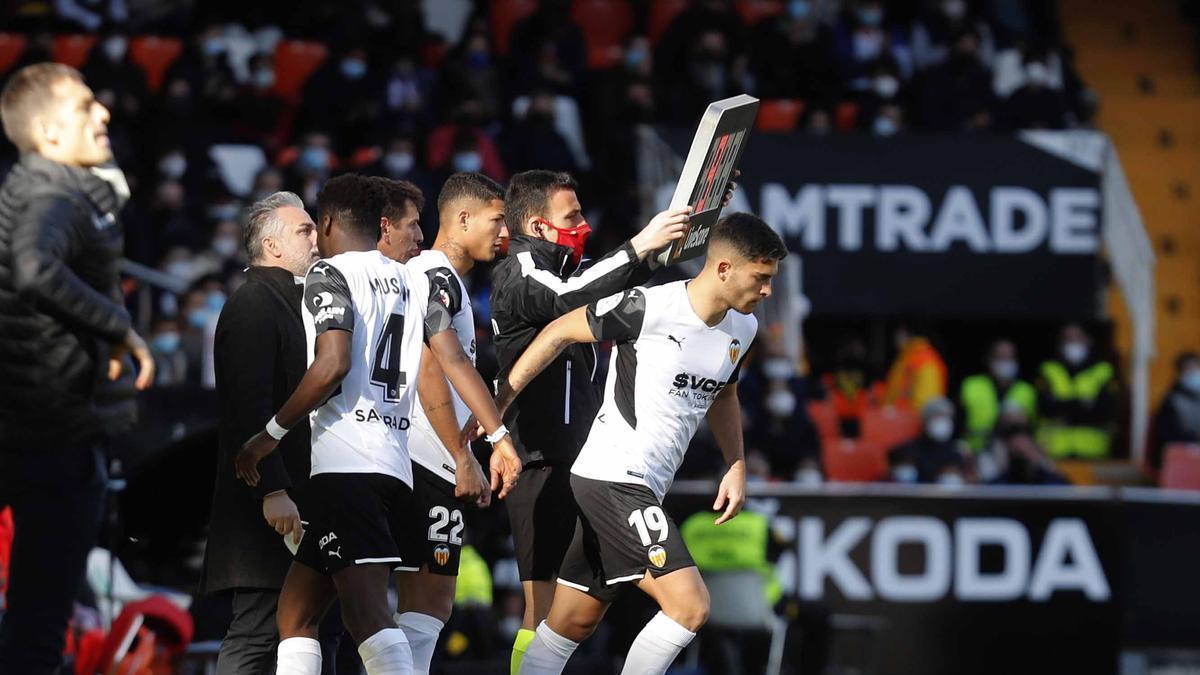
937,225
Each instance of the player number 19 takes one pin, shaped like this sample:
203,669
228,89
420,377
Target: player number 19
652,518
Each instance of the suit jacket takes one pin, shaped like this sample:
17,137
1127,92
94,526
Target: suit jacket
260,354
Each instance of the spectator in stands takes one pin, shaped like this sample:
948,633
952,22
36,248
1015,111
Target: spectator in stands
792,55
169,360
918,375
957,95
345,97
548,50
471,72
260,110
882,107
712,73
109,68
982,395
935,456
818,120
851,386
203,68
1013,456
1077,399
462,145
936,26
313,163
407,93
1037,104
676,45
1178,417
775,396
861,37
534,143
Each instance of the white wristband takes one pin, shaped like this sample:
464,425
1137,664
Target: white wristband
496,435
274,430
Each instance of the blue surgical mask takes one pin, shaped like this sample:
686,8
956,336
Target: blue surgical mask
165,343
884,126
264,78
353,68
634,58
870,17
398,163
198,319
213,46
1191,381
467,161
905,473
799,9
315,159
215,300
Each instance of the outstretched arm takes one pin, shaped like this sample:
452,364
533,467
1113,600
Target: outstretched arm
566,330
725,421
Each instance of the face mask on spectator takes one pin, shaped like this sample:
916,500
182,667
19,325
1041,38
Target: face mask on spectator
264,78
173,166
870,16
779,368
634,57
478,60
1075,353
165,343
940,428
1191,380
213,46
226,247
353,68
215,300
781,403
905,473
114,48
954,9
467,161
1037,74
198,319
884,126
886,86
799,9
398,163
224,211
809,476
950,479
1005,369
315,159
180,269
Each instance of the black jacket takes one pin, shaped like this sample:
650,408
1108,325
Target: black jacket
260,354
60,301
1177,421
533,286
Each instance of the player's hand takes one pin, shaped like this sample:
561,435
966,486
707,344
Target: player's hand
662,229
282,515
247,459
135,345
731,496
471,483
730,189
471,431
505,466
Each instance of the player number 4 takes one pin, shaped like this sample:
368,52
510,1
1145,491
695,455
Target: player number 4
651,518
442,517
385,370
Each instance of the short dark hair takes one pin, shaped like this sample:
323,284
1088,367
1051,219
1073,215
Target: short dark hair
529,195
750,236
27,91
355,201
398,192
469,184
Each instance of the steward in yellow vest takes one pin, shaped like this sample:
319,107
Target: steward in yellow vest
983,395
738,544
1077,401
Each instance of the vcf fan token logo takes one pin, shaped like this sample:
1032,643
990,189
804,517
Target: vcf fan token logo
735,348
658,556
441,554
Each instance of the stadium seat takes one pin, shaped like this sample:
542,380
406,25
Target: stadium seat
73,50
825,419
753,11
854,461
889,426
295,61
605,24
155,55
662,13
846,116
505,15
12,45
781,114
1181,467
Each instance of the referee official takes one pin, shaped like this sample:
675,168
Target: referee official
63,326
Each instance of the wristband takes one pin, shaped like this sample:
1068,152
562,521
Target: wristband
274,430
496,435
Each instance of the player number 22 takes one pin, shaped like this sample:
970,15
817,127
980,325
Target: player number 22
651,518
442,517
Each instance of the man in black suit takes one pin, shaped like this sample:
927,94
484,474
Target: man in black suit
260,356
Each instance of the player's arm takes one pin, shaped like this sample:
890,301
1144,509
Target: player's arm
470,484
571,328
725,421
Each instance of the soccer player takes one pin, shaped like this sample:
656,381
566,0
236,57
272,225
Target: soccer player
678,352
366,318
445,472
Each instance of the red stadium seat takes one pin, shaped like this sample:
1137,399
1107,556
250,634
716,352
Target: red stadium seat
295,61
605,24
825,419
505,15
753,11
662,13
154,55
846,116
890,426
852,461
73,50
781,114
1181,467
12,45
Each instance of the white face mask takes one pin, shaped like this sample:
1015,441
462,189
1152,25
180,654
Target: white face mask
884,126
1075,352
226,247
781,403
905,473
1004,369
779,369
950,479
1037,73
954,9
809,476
886,86
940,428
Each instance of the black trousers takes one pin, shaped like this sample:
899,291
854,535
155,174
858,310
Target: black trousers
250,644
56,496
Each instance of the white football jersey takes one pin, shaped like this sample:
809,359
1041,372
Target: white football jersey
364,425
666,369
424,445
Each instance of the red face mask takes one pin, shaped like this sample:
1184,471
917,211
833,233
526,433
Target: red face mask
573,238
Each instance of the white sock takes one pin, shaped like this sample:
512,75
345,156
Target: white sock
656,646
386,653
548,653
422,632
298,656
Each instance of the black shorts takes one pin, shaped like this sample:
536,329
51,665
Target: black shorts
434,534
542,512
353,519
623,532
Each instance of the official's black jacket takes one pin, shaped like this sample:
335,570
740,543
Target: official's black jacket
60,301
259,356
530,288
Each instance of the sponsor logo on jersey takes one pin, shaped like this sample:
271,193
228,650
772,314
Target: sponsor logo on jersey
328,314
657,556
678,341
735,348
704,384
441,554
320,268
337,552
321,299
326,539
472,352
397,423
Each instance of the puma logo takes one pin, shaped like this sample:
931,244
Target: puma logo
678,341
337,553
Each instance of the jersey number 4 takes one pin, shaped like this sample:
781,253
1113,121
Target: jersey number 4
386,371
442,517
651,518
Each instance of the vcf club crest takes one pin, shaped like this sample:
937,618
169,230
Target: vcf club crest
658,556
441,554
735,348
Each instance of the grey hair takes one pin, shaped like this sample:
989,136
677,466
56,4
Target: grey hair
262,220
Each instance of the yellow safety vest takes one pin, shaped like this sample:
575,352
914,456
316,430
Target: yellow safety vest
1062,440
740,544
474,579
981,404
